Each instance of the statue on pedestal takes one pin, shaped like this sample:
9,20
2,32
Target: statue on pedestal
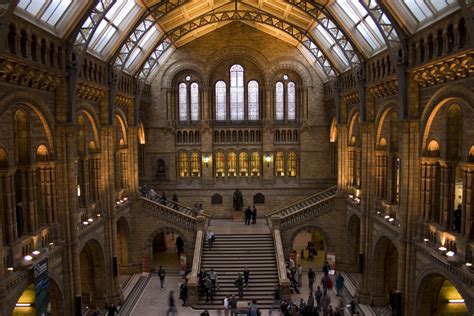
238,201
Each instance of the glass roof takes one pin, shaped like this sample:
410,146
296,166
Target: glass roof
138,44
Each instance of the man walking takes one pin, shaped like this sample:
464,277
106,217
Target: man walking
311,277
171,305
246,276
210,238
226,305
339,284
248,215
161,275
239,283
213,277
179,246
254,215
317,295
208,288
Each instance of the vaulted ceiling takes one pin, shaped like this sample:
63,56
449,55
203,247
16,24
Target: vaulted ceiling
137,36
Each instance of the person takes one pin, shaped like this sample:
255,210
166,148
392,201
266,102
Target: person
317,295
175,200
226,305
300,275
291,263
248,215
457,219
302,254
246,276
161,275
171,304
326,283
293,282
253,309
205,313
183,293
325,302
208,288
179,246
210,238
232,304
302,307
276,300
112,309
254,215
163,198
238,200
213,277
310,304
311,277
339,284
239,283
326,268
201,277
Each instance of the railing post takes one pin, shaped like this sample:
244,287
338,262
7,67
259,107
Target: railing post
280,258
193,293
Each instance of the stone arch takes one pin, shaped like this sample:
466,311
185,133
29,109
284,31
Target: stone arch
283,63
353,236
87,110
333,131
446,95
385,269
42,153
384,112
123,242
175,68
92,269
429,283
122,124
141,133
57,305
18,291
353,121
470,155
148,247
328,242
3,158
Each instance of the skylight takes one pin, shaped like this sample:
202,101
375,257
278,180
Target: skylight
46,11
331,46
144,46
425,9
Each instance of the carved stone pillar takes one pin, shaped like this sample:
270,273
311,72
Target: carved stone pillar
29,176
8,207
448,173
351,169
342,168
94,178
467,218
428,189
381,174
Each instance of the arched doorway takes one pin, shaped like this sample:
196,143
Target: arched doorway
92,274
123,236
438,296
353,241
164,249
385,270
303,240
27,303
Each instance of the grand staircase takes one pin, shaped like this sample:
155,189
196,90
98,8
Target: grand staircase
229,255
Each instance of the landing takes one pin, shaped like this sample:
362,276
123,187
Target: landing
227,226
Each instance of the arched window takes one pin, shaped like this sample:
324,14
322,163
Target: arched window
280,164
237,93
232,164
221,101
291,101
183,165
279,103
243,164
253,104
195,165
194,101
183,102
255,164
292,164
219,164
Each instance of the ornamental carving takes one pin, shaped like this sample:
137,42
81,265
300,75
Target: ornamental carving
450,69
384,89
89,92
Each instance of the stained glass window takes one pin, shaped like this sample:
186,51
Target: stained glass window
232,164
183,165
291,101
253,103
220,101
280,164
237,93
279,102
195,165
194,101
183,102
219,164
243,164
255,164
292,164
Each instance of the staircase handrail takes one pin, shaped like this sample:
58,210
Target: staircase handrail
284,282
193,292
302,214
280,210
171,214
180,207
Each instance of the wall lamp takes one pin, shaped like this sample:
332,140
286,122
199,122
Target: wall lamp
206,160
268,159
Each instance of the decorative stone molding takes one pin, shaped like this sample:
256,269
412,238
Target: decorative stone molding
384,89
90,92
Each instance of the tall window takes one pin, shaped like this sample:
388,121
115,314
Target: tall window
220,101
279,103
220,164
255,164
253,104
183,165
291,101
195,166
292,164
183,102
232,164
243,164
237,93
280,164
194,101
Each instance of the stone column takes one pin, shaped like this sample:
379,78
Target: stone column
29,177
448,173
467,218
8,207
94,178
428,188
132,159
381,174
342,153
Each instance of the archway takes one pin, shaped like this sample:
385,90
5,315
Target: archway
438,296
92,273
28,303
353,241
303,241
385,270
123,237
164,249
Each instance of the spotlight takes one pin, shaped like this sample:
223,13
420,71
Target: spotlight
10,269
51,244
36,252
28,258
391,219
450,253
91,219
99,215
468,264
442,248
85,222
23,304
386,216
456,301
426,240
